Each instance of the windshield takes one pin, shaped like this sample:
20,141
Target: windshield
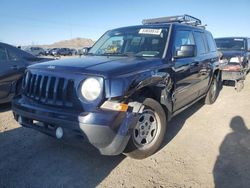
230,44
144,42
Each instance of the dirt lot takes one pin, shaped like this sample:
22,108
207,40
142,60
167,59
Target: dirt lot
205,146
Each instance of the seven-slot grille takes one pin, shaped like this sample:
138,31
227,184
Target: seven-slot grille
47,89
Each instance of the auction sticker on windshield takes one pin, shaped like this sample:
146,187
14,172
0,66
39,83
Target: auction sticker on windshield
239,39
150,31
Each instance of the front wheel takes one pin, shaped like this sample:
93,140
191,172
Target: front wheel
149,131
213,91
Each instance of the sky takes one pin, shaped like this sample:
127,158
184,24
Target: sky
37,22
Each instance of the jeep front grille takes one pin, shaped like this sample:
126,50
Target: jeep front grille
47,89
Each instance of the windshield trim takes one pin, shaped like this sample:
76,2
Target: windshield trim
167,42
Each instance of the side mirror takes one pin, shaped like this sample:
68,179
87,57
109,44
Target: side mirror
186,51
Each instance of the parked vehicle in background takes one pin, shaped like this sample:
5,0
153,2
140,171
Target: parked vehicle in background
236,50
235,55
13,63
36,51
47,51
74,51
54,51
65,51
130,84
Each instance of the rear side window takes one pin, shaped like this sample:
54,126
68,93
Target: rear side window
211,43
3,54
199,40
183,38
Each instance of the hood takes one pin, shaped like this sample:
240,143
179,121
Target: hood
232,53
100,65
31,61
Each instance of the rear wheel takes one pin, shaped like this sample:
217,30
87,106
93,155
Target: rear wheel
213,91
149,131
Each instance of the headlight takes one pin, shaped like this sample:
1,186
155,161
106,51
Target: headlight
91,89
238,59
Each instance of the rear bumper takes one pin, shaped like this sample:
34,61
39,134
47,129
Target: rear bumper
108,131
233,75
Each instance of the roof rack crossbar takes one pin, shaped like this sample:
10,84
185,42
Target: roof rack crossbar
186,19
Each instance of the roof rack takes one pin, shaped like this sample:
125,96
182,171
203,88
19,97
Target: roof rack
185,19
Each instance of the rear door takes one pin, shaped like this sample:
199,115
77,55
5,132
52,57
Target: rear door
205,61
11,69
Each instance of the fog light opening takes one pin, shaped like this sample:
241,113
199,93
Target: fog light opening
59,132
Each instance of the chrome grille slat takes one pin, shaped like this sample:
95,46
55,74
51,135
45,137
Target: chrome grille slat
35,86
30,85
49,89
55,90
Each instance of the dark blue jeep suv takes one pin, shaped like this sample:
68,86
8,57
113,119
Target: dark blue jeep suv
122,93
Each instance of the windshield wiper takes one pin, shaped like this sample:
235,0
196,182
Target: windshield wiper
115,54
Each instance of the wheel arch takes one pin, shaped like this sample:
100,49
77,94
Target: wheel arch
157,94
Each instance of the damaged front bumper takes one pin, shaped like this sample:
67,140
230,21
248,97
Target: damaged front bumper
107,130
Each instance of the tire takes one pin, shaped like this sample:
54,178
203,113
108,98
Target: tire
151,125
213,91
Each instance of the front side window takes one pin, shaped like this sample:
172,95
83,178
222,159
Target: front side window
142,42
230,44
183,38
3,54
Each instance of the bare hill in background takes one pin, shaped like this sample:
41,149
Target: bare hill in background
73,43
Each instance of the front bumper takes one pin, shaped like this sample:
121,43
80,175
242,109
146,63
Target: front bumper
108,131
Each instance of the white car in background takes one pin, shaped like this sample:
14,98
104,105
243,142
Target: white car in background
37,51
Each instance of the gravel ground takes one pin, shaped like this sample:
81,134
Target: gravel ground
205,146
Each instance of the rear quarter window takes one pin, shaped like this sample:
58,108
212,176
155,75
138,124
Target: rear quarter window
211,43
